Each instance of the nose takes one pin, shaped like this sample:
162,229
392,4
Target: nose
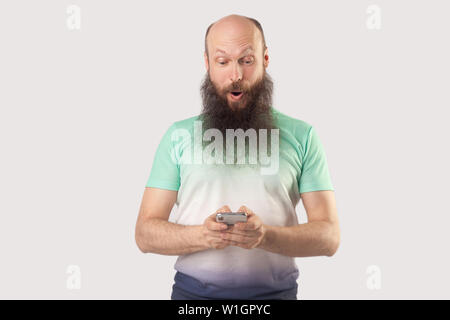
236,73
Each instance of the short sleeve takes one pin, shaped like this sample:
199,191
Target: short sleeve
165,172
314,173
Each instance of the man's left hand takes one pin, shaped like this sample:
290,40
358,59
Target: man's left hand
247,235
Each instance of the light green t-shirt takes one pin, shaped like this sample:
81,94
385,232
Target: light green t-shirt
203,188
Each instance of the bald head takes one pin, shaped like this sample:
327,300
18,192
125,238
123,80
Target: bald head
232,28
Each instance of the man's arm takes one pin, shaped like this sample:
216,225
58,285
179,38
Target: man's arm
154,233
319,237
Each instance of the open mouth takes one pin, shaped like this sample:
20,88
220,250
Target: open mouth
236,95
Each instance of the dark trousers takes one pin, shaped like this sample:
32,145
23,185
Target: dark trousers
188,288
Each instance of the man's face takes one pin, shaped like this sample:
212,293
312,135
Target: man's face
236,61
236,64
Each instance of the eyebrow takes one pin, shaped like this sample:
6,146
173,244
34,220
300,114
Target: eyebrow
223,52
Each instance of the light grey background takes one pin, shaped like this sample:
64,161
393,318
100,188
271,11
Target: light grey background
82,112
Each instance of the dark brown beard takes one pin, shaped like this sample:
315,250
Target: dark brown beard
254,112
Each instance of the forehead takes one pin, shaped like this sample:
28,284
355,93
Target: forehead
233,39
247,49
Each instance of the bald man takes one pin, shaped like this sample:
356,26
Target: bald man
252,259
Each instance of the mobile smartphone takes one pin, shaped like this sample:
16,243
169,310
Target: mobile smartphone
231,218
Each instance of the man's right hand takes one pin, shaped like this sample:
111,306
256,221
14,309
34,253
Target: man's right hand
211,230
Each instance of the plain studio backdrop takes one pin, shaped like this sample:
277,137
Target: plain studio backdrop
87,89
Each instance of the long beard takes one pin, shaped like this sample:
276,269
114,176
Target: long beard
253,111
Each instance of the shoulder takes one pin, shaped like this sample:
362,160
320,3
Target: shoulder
187,123
297,128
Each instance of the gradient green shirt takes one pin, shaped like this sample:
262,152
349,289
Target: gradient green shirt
204,188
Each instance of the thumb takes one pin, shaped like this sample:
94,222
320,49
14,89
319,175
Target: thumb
246,210
224,208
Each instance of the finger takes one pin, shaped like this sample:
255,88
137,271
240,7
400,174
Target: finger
216,226
245,209
224,208
246,226
214,234
249,233
232,243
250,214
237,238
211,222
220,244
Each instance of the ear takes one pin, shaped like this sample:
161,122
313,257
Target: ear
206,61
266,58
